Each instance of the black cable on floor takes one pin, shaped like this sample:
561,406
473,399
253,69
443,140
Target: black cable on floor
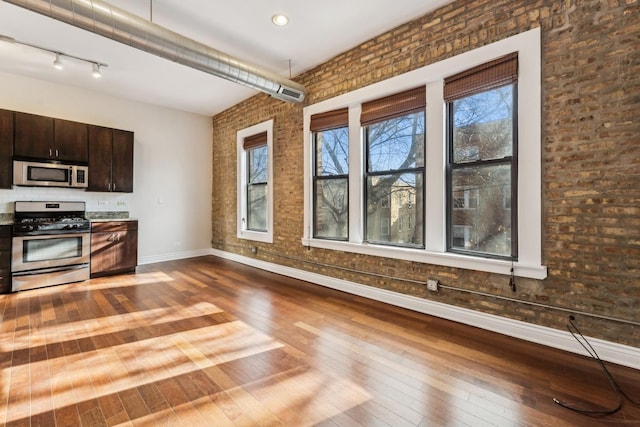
620,393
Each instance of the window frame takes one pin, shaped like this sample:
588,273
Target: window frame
529,161
251,183
243,232
452,165
385,203
327,127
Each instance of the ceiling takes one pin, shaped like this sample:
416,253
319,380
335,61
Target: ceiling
317,31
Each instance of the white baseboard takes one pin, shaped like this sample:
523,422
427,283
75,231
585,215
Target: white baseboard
173,256
609,351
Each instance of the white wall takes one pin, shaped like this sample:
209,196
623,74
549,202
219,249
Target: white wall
172,164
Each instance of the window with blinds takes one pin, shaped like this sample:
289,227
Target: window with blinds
482,159
331,174
394,130
255,192
257,179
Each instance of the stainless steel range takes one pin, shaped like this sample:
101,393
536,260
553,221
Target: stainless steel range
51,244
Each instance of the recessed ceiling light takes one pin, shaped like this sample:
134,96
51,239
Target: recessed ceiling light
280,20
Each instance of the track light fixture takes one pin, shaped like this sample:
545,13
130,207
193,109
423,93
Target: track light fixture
96,71
57,63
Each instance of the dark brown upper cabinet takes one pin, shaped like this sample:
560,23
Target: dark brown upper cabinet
33,136
70,141
6,148
46,138
122,161
110,160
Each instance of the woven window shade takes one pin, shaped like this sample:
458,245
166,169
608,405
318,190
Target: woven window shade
254,141
393,106
330,120
499,72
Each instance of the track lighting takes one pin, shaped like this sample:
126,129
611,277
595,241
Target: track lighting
96,71
57,63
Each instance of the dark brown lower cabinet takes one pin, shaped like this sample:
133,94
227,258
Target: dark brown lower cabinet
114,247
5,259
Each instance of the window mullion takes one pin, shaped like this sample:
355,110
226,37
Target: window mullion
356,176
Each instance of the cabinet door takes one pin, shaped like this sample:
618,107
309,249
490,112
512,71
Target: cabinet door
70,141
5,259
103,253
5,280
127,250
122,161
33,136
114,247
6,148
100,141
5,252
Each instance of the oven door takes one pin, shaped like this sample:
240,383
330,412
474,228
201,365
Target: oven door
49,251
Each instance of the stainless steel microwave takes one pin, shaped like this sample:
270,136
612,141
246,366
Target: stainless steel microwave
43,174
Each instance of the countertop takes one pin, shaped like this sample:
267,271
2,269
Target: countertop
113,219
6,219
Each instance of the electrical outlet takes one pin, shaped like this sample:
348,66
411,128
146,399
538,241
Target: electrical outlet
432,285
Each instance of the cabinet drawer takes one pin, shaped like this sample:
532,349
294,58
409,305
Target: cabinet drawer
97,227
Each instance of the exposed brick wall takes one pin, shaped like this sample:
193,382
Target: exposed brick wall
591,159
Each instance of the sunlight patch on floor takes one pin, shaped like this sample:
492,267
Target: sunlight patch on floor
103,325
126,366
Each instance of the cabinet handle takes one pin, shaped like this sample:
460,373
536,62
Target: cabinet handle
50,152
114,186
56,152
109,186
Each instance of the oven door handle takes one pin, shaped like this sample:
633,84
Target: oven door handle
49,270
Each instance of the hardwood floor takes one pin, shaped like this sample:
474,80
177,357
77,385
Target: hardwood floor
207,342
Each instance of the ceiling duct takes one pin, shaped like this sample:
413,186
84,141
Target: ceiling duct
114,23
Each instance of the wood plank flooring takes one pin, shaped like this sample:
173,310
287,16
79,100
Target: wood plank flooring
208,342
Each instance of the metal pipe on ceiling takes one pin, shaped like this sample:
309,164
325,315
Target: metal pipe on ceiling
114,23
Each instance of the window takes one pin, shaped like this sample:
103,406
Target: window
394,132
481,166
257,161
255,193
439,184
331,174
465,198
